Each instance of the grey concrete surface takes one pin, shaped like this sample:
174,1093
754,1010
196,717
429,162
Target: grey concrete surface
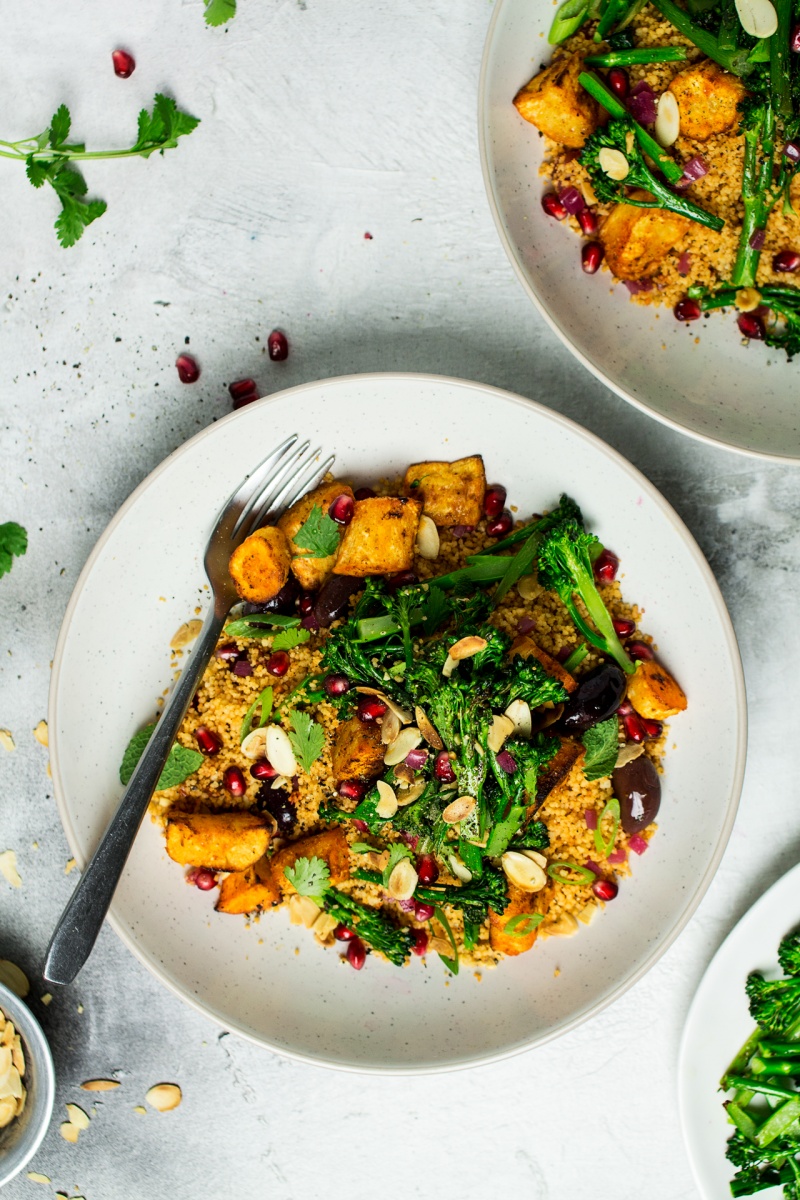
321,122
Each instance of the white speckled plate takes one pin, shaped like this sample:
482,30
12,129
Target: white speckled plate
699,378
719,1024
271,982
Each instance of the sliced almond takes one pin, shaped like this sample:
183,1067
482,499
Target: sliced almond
280,752
427,730
459,810
500,732
8,868
280,781
69,1132
41,733
323,927
390,727
758,17
18,1054
77,1116
628,753
427,539
140,1110
99,1085
404,776
6,740
613,163
46,999
8,1034
403,880
14,978
449,666
36,1177
440,945
387,803
747,299
185,634
587,913
405,741
467,647
668,120
255,744
402,714
163,1097
519,714
536,857
545,717
529,587
459,868
523,871
565,926
8,1110
6,1062
302,910
408,795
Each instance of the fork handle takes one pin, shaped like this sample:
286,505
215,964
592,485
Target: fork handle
81,920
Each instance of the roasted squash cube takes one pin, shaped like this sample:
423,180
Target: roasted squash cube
637,240
331,846
259,567
654,693
380,538
451,492
513,943
708,100
226,841
245,891
526,647
558,769
556,103
311,573
357,750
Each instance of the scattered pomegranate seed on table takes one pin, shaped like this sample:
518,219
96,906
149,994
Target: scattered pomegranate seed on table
278,663
277,346
501,525
494,501
553,206
605,889
618,82
341,510
786,260
605,566
687,310
243,391
234,782
588,222
751,326
124,63
188,370
591,257
207,741
356,954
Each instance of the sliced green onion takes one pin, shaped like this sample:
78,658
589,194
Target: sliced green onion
523,924
647,54
569,17
372,628
450,963
611,810
585,875
265,701
575,658
251,626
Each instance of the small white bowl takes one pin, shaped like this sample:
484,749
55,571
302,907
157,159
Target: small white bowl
20,1140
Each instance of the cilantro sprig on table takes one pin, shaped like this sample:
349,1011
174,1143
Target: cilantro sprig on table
219,11
13,544
50,158
319,536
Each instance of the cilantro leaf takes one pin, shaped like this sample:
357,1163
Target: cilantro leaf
59,126
161,128
219,11
319,536
287,639
37,171
181,761
309,877
307,738
601,743
74,218
397,852
13,544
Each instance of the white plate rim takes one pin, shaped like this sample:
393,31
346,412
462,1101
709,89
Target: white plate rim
739,705
591,366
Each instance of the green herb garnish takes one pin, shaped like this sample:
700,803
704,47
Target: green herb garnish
217,12
181,761
260,625
287,639
450,963
601,744
261,705
611,810
397,852
319,536
309,877
307,738
13,544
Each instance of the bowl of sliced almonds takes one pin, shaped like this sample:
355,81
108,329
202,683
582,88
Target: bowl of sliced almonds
27,1084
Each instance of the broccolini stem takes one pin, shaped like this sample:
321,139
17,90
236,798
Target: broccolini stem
597,89
779,69
728,36
677,204
626,58
758,202
732,60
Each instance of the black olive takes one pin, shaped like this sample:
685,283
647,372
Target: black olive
596,698
638,789
278,805
282,602
334,596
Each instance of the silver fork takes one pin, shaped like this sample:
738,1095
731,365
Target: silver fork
281,479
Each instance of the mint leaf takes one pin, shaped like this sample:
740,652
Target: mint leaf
13,544
307,738
59,126
396,852
309,877
181,761
601,744
287,639
219,11
319,536
253,626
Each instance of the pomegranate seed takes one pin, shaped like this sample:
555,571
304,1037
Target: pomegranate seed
494,500
228,653
341,511
205,879
624,627
605,566
343,934
207,741
618,82
263,770
401,579
792,151
786,260
687,309
427,869
336,685
188,370
364,493
310,622
501,525
591,257
361,826
305,604
278,663
625,709
243,392
242,668
795,42
371,708
356,954
423,912
443,768
234,782
124,63
652,729
751,326
605,889
351,789
553,206
588,222
277,346
420,945
641,651
634,729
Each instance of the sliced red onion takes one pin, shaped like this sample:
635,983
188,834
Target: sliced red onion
693,170
618,856
506,762
406,905
526,624
416,759
590,817
410,839
638,844
685,263
461,531
635,286
591,865
642,103
757,239
792,151
572,200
